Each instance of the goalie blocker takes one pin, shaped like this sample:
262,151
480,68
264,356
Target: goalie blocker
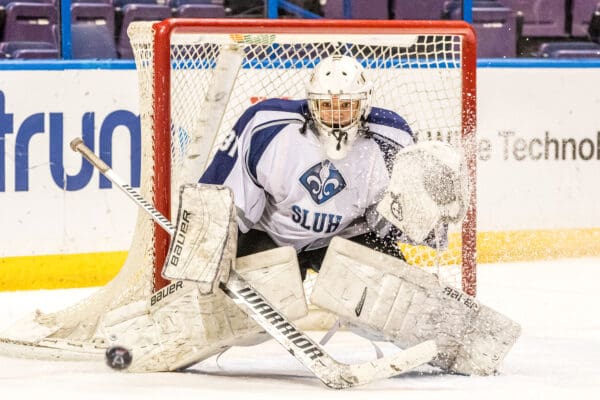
382,297
204,243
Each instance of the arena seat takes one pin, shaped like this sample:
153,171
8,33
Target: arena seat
569,50
199,11
410,9
94,13
495,26
594,27
122,3
582,12
92,41
373,9
4,3
138,12
28,50
178,3
90,2
539,17
32,22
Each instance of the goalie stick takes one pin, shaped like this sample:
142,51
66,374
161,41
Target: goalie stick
332,373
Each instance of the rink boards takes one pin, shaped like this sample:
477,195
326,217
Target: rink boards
539,152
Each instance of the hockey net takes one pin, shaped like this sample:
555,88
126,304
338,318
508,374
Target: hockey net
196,77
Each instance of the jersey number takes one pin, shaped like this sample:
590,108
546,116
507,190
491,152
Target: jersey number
229,145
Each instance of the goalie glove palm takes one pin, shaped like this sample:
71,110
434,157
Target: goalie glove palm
429,186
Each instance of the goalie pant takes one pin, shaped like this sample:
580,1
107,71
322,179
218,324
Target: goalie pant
180,326
384,298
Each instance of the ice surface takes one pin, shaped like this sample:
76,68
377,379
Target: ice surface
558,356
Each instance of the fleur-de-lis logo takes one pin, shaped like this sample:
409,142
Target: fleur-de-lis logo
323,181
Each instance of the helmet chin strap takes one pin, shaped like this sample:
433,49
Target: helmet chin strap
339,135
342,135
363,129
309,122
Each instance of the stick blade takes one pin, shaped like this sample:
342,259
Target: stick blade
387,367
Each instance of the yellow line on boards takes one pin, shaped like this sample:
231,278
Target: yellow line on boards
96,269
512,246
59,270
537,245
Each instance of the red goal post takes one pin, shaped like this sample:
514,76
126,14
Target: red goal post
163,59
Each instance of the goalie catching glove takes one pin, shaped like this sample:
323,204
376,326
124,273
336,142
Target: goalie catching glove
428,187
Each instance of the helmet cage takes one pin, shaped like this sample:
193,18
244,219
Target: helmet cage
337,112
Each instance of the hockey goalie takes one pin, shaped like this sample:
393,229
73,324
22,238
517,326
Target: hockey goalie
331,166
328,183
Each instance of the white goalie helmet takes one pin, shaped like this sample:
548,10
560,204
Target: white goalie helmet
339,99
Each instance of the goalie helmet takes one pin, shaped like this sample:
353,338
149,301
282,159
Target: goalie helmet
339,100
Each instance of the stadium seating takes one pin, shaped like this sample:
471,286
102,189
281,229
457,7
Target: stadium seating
569,50
177,3
4,3
138,12
94,13
582,12
498,23
539,17
122,3
28,50
372,9
594,27
410,9
495,26
28,29
30,22
199,11
88,1
92,41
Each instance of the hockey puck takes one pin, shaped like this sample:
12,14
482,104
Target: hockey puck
118,357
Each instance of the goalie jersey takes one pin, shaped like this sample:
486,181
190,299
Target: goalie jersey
283,184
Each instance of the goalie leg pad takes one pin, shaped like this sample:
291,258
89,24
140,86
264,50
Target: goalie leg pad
179,326
382,297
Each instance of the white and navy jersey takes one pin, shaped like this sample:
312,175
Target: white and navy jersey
282,182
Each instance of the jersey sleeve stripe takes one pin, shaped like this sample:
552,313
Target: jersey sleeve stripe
219,169
380,116
259,143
